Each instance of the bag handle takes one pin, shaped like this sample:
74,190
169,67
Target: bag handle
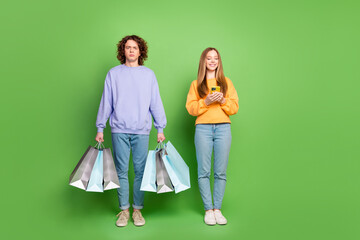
160,145
165,147
99,145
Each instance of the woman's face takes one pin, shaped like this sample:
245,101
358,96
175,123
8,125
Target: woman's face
212,60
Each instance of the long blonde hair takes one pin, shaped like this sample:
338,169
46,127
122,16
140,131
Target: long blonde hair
219,74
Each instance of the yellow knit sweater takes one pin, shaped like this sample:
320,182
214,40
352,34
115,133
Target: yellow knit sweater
215,112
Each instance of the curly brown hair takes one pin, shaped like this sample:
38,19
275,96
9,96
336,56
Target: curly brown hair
142,48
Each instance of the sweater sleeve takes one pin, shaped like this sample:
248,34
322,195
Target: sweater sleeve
194,104
231,105
157,108
106,107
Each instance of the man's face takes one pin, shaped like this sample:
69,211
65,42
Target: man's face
132,52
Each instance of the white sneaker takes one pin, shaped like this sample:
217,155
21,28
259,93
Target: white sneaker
210,217
123,218
220,219
138,219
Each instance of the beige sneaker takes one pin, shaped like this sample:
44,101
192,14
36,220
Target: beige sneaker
220,219
209,218
138,219
123,218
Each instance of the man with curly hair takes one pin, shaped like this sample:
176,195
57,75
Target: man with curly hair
131,98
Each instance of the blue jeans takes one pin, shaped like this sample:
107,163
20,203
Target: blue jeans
139,144
209,137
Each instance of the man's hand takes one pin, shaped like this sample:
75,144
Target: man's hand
161,137
99,137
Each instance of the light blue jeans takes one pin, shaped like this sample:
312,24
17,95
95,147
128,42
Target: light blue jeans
139,144
209,137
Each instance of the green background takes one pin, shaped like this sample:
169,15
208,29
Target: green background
294,163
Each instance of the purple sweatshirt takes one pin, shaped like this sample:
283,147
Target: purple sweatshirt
131,96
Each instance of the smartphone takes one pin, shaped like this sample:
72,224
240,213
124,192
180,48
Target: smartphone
215,89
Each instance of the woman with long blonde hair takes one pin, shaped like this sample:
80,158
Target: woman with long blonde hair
212,98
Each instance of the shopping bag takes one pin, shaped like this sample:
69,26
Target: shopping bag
148,182
163,183
111,179
176,167
81,174
96,178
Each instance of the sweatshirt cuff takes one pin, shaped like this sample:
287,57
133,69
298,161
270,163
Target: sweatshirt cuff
202,103
226,101
160,130
100,130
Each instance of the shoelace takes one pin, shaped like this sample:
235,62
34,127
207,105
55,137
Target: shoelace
219,214
209,212
122,213
137,215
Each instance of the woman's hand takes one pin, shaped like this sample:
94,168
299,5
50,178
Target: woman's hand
99,137
211,98
221,98
214,97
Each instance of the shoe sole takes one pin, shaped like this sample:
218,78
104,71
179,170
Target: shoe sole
221,223
211,224
139,225
121,225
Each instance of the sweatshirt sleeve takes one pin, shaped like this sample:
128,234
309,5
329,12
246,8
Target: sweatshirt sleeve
106,107
156,107
231,105
194,104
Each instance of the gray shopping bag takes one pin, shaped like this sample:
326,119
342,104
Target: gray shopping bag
80,176
111,179
163,182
